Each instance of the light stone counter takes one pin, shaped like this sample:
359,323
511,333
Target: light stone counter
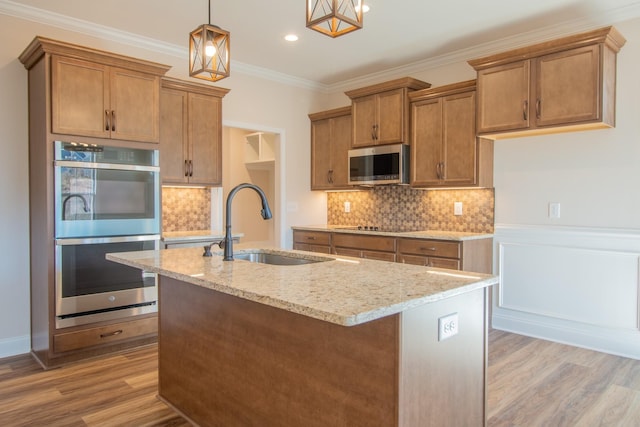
345,291
195,236
423,234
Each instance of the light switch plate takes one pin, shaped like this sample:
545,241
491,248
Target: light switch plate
347,207
554,210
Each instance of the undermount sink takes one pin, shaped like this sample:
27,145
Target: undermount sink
277,258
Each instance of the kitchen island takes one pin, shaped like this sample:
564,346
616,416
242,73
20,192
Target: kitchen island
341,342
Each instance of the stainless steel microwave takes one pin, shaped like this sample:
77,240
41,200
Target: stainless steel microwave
385,164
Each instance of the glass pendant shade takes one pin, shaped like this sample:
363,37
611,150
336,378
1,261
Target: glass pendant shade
334,17
209,53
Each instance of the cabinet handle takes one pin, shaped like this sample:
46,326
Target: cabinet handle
538,102
190,168
376,127
106,120
113,121
186,168
111,334
373,132
311,238
427,249
525,107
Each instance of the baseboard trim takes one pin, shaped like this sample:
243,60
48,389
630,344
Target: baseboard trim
15,346
613,341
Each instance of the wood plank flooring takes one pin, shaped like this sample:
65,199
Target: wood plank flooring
531,383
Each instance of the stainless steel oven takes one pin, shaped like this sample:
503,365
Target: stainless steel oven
107,199
105,191
89,288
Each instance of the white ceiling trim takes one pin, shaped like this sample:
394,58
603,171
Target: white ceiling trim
10,8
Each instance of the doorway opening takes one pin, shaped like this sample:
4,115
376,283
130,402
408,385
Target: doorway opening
252,154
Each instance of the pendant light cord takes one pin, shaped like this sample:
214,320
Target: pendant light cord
209,12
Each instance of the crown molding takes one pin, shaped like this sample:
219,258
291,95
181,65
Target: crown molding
40,16
624,13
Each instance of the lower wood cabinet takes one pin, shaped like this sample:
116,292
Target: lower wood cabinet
468,255
312,241
104,335
362,246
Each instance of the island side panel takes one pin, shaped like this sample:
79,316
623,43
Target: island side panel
444,381
227,361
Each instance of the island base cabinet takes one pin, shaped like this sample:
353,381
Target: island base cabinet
227,361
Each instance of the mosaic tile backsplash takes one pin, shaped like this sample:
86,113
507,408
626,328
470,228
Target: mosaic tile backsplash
186,209
400,208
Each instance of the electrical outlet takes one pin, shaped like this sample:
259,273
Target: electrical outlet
457,208
347,207
554,210
447,326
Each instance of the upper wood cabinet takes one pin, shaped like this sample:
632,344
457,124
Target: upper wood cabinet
98,94
444,149
190,133
569,83
92,99
380,113
330,143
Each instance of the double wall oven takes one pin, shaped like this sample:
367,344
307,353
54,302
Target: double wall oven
107,199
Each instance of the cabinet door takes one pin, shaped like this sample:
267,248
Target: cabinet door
567,87
340,144
205,135
503,97
390,117
135,104
321,169
459,127
80,102
364,121
173,136
426,142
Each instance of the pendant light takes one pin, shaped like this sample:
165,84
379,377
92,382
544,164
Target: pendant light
209,52
334,17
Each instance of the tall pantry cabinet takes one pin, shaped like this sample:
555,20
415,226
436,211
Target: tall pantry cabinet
89,96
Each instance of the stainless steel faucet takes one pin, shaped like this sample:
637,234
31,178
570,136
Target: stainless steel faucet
227,243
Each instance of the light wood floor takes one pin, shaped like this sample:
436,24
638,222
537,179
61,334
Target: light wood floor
531,383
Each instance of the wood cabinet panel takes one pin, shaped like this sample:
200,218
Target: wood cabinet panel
376,243
445,151
103,335
96,100
380,112
330,143
565,83
191,133
80,101
436,248
567,87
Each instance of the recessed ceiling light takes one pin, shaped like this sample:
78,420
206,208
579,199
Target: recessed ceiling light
291,37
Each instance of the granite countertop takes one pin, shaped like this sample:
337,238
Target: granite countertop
344,290
422,234
195,236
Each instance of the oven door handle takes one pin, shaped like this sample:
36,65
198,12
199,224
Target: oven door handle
102,240
111,166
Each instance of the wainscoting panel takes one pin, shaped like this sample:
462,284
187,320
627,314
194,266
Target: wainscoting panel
578,286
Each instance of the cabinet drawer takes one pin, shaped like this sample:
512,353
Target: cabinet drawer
429,248
312,248
356,253
450,263
105,334
379,256
375,243
312,237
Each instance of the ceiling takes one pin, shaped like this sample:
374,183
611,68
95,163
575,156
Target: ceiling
396,33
